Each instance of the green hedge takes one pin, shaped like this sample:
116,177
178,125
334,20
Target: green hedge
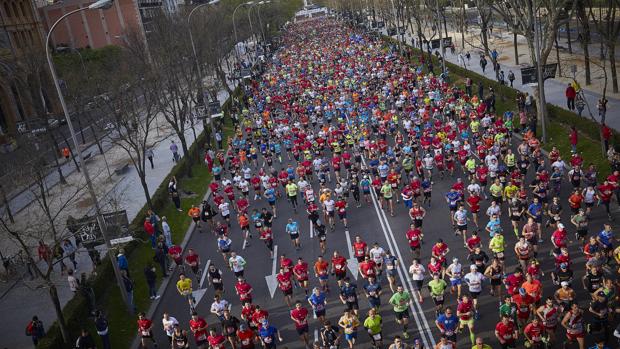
76,310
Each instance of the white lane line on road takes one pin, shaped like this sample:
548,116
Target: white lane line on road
204,273
426,327
316,335
311,230
272,281
352,263
403,273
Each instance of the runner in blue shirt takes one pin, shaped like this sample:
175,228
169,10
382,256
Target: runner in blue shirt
268,335
318,300
452,198
447,324
292,229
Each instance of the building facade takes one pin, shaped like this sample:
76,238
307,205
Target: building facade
21,57
93,28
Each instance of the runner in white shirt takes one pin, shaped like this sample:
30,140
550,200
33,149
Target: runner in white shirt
224,209
218,306
329,208
244,186
236,179
169,323
237,264
474,280
417,275
455,273
247,173
473,188
377,253
309,194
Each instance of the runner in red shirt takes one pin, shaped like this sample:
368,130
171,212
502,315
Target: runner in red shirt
244,290
534,332
198,326
341,209
506,332
259,316
415,236
247,309
246,337
299,315
286,285
216,340
193,261
339,267
368,268
176,253
145,330
473,201
605,192
301,273
524,303
473,241
465,313
360,249
286,263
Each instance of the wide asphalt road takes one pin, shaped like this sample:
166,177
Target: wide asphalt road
373,225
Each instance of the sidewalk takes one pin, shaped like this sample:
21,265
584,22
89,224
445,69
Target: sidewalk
554,88
22,299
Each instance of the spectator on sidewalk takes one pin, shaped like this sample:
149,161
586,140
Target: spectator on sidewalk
166,231
149,155
174,193
74,283
44,252
154,219
35,330
123,263
161,257
218,139
69,250
468,86
602,107
101,324
461,60
573,136
85,341
483,63
480,90
511,77
606,133
151,280
150,231
128,283
175,151
570,94
580,104
502,78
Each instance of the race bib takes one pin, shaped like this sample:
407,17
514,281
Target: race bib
390,266
267,340
500,254
202,337
439,298
351,299
216,280
377,336
146,333
245,342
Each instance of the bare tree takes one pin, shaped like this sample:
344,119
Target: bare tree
584,36
45,223
608,27
133,102
525,17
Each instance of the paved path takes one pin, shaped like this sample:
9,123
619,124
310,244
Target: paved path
554,89
373,225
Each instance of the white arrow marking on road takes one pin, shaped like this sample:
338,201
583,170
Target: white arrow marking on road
272,281
204,273
198,294
352,263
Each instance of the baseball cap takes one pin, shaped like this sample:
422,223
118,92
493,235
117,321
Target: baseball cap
564,283
522,291
563,265
560,226
473,267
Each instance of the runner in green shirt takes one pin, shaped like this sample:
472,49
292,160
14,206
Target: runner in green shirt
508,308
291,192
388,192
373,325
470,165
437,288
400,301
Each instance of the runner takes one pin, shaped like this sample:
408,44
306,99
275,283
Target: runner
400,300
145,330
299,315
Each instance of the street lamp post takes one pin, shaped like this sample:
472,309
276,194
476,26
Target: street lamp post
260,21
99,5
235,26
198,67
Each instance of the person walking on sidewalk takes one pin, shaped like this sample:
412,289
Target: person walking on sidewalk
483,63
511,77
174,148
573,136
602,107
35,330
101,324
570,94
149,155
151,280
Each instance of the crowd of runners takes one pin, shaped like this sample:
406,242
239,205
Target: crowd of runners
338,120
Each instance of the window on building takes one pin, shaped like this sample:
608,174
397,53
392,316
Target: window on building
15,10
22,7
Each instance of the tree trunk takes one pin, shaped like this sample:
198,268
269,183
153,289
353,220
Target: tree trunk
570,45
7,207
584,40
188,157
145,187
97,140
611,48
514,39
61,177
557,55
60,318
222,76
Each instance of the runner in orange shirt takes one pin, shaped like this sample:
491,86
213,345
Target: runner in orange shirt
321,270
244,224
194,212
